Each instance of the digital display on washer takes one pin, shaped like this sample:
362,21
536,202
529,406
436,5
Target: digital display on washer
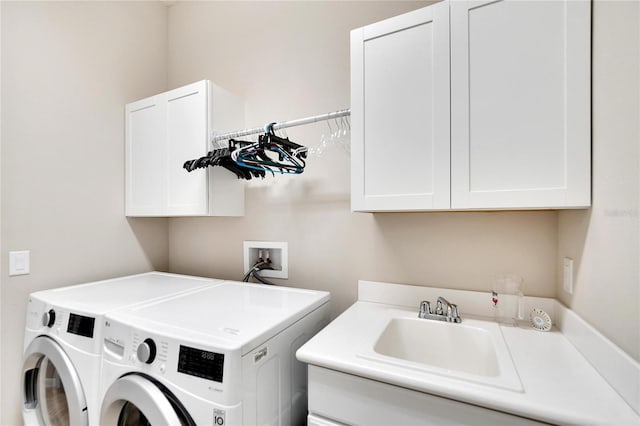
80,325
199,363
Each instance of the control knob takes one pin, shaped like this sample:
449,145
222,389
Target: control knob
146,351
49,318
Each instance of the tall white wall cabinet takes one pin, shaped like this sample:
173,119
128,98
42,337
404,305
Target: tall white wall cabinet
400,112
164,131
473,105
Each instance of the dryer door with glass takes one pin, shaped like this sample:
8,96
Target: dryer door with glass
137,399
51,390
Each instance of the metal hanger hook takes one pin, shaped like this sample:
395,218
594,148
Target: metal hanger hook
268,128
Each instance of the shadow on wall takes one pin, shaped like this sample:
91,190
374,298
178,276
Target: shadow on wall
154,246
468,250
325,180
302,194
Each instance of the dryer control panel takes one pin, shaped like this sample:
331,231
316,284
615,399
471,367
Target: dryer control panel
75,328
81,325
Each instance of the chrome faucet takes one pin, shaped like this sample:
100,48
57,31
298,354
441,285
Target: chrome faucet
445,311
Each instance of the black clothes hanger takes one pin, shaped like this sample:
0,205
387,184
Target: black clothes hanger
290,155
246,160
222,157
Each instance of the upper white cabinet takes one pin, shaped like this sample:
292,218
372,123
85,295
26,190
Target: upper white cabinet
164,131
494,95
520,104
400,112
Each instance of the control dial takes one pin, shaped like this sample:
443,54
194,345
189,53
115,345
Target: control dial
146,351
49,318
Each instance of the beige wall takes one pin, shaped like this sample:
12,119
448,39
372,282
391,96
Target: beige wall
68,68
604,241
290,60
1,269
67,71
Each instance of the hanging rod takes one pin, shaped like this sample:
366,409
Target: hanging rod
283,125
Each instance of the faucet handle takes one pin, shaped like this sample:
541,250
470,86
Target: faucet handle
453,313
425,309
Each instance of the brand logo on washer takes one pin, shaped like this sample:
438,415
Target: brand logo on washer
259,355
218,417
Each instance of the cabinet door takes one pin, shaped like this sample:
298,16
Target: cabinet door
520,104
164,131
187,138
400,112
145,145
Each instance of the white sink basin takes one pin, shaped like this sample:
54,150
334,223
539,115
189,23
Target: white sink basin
451,346
473,350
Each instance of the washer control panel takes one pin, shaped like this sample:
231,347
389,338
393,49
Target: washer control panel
204,368
201,363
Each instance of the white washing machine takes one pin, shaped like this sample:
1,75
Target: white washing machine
218,356
63,343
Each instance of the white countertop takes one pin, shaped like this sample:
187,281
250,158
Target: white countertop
558,384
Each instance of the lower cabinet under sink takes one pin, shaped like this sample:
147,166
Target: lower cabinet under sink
337,398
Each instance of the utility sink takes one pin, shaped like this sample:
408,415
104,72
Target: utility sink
451,346
473,350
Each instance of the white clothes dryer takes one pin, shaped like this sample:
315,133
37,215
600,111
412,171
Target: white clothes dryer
220,356
63,342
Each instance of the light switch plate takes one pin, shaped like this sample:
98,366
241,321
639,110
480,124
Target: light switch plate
567,281
19,262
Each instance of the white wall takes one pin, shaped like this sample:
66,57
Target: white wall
604,241
289,60
68,68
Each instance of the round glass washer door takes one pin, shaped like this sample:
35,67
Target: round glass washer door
51,390
138,400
